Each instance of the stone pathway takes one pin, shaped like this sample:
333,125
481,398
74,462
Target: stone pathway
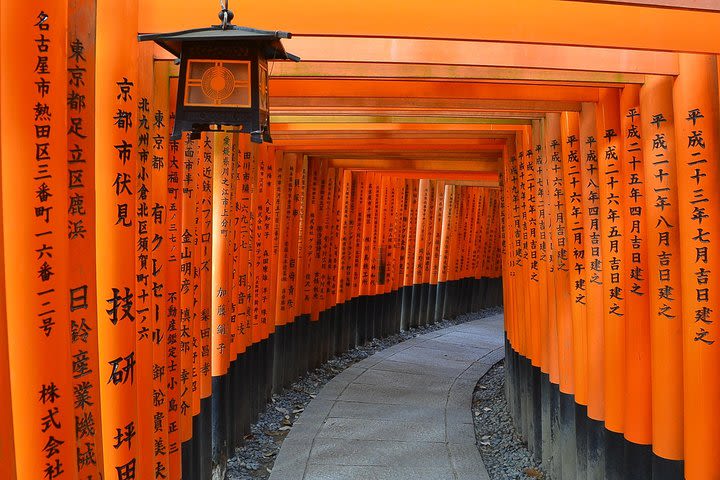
403,413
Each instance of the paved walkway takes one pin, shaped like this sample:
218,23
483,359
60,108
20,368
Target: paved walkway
403,413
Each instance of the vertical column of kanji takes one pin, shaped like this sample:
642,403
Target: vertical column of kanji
662,216
355,230
81,222
270,263
565,299
593,290
613,248
509,191
285,172
525,321
570,133
344,259
410,238
481,262
301,186
541,197
284,284
420,223
448,209
309,235
525,333
308,252
520,224
427,253
222,156
457,228
317,296
397,187
288,270
257,189
399,267
319,254
339,319
509,183
492,269
546,175
376,242
116,115
365,228
377,256
34,125
205,261
267,179
236,338
438,206
467,232
189,286
241,287
638,426
231,324
143,287
222,163
159,249
192,187
386,237
369,225
696,105
328,238
532,264
178,395
276,179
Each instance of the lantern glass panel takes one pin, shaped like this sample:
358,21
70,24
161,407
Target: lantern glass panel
264,92
218,83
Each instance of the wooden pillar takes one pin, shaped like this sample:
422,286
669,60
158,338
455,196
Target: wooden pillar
594,293
81,225
116,149
37,300
696,108
661,202
638,426
614,274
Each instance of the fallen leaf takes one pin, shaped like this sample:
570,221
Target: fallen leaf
533,472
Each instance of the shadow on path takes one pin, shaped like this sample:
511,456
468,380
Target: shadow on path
402,413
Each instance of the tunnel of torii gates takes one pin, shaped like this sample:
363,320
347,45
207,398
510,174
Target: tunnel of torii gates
156,293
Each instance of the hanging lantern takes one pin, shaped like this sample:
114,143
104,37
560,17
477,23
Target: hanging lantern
223,80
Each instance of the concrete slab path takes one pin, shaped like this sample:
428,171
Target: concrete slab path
403,413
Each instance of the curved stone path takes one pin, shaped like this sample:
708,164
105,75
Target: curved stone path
402,413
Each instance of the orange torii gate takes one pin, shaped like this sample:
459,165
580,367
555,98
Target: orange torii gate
155,292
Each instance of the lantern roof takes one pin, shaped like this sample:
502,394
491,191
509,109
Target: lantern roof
270,39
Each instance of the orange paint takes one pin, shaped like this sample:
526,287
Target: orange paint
575,238
638,418
661,201
593,262
610,171
696,109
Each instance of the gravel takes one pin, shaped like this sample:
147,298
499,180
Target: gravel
504,453
257,456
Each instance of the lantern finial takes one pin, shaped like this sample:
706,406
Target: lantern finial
226,16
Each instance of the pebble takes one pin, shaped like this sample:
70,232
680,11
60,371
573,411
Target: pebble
257,456
504,453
